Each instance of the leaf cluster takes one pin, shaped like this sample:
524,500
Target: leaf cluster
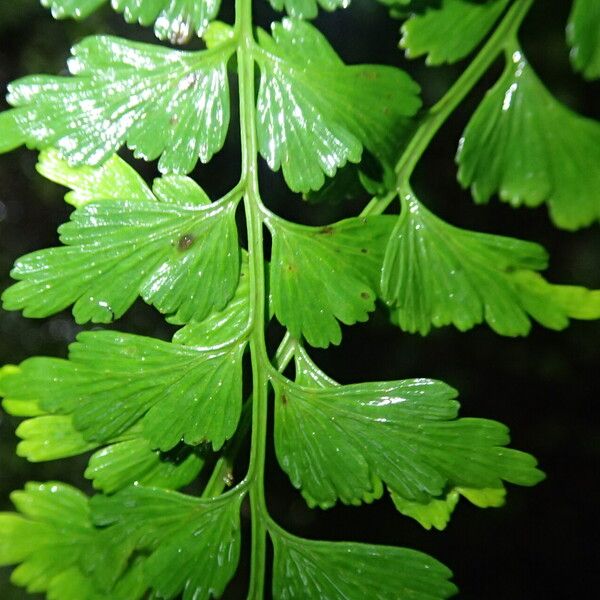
154,415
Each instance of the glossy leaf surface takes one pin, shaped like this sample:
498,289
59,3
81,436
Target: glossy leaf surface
178,255
333,570
174,20
72,584
114,180
178,189
451,31
524,145
132,461
307,9
322,275
340,442
220,327
315,113
152,412
114,380
583,33
437,274
218,33
192,545
47,540
50,437
162,103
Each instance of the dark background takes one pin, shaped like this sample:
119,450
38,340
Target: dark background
543,544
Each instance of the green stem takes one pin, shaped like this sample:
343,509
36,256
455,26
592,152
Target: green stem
252,203
285,352
438,114
221,476
378,204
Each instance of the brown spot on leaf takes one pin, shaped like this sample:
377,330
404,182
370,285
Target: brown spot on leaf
364,250
284,399
185,242
365,295
327,230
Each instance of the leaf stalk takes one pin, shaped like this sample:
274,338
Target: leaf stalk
502,38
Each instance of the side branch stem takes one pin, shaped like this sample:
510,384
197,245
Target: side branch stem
439,113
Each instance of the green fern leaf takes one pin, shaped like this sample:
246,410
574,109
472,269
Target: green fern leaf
307,9
113,380
72,584
220,327
114,180
322,275
150,413
437,512
50,437
451,31
12,136
192,545
75,9
583,32
529,148
308,373
335,442
437,274
149,539
180,256
126,460
174,20
132,461
315,113
553,305
163,103
331,570
48,540
178,189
